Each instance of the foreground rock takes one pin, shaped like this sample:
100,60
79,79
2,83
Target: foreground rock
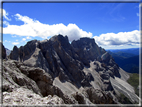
78,73
23,96
17,75
35,83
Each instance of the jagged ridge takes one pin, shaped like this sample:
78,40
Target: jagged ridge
73,67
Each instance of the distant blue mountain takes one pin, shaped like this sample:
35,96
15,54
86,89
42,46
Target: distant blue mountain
134,51
127,59
7,51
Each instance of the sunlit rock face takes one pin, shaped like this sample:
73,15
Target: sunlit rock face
80,72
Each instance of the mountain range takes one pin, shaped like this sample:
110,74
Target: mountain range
127,59
56,71
130,51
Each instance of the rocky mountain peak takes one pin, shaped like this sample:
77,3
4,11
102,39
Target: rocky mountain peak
85,41
61,59
74,70
87,49
60,38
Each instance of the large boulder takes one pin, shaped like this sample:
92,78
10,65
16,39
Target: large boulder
14,78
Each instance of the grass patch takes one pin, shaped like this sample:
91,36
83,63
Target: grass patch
123,99
134,81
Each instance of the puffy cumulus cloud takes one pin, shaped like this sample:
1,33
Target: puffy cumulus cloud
28,37
24,39
119,39
15,43
25,19
33,28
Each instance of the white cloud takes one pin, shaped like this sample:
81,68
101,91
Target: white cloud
5,22
5,15
6,41
24,39
121,38
28,37
33,28
15,43
25,19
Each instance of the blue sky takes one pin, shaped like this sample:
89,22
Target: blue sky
112,25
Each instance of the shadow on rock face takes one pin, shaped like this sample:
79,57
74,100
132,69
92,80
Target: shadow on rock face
78,64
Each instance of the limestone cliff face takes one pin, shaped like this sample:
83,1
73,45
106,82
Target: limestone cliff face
61,59
74,72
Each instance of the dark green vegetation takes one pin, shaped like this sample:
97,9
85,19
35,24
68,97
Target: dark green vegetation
134,81
123,99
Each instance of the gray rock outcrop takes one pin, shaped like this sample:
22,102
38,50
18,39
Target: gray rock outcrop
22,96
77,73
3,51
16,75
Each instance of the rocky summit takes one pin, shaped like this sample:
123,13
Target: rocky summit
56,71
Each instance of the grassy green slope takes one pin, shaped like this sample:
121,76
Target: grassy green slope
134,81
